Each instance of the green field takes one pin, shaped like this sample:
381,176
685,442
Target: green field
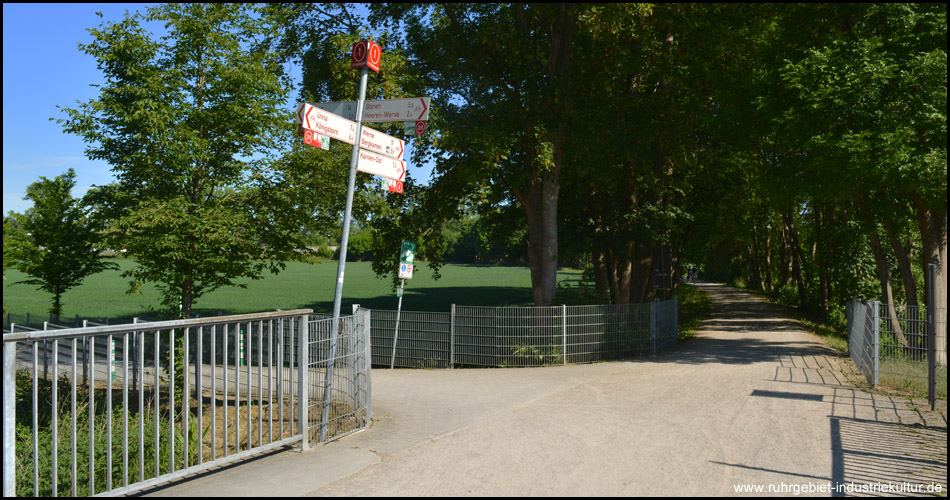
301,285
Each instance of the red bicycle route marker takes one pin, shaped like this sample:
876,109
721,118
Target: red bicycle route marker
420,128
394,186
366,53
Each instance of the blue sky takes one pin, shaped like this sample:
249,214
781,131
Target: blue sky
43,68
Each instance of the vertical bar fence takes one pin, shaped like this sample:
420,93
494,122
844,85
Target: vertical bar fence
152,402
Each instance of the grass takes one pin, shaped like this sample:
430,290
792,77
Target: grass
694,307
301,285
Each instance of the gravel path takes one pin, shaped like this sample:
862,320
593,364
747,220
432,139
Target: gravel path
754,401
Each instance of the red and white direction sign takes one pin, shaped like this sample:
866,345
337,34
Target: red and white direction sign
385,110
384,166
312,118
327,123
379,142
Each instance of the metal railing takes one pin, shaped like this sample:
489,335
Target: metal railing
890,345
524,336
211,391
343,405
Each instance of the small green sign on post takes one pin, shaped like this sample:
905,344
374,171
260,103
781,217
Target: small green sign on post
406,256
408,252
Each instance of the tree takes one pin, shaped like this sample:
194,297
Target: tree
500,75
189,124
54,242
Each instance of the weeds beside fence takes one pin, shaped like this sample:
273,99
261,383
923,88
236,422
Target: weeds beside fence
890,346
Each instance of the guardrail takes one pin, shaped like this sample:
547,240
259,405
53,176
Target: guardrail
185,415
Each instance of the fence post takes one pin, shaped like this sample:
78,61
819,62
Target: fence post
564,330
303,405
45,355
452,336
676,318
932,335
9,410
368,365
875,341
653,327
135,368
85,356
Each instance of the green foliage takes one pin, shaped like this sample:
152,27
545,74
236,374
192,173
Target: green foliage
55,243
694,307
523,354
98,430
177,119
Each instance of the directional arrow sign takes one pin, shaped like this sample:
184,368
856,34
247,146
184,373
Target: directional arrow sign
377,164
385,110
321,122
379,142
330,124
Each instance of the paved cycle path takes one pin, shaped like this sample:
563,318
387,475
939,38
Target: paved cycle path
754,401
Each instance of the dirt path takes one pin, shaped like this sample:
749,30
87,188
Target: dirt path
755,401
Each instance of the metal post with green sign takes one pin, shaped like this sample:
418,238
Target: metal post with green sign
406,256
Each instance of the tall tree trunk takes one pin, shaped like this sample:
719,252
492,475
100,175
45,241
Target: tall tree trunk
625,273
601,283
887,295
755,273
612,280
540,205
932,223
823,278
903,260
796,251
785,269
640,287
675,272
768,260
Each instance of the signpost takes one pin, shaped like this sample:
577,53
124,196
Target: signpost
383,156
411,109
344,239
384,166
406,256
324,122
317,120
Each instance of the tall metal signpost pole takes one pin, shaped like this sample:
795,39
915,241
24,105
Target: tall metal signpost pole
366,55
406,257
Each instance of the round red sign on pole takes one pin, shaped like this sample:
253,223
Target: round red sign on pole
420,128
358,57
374,56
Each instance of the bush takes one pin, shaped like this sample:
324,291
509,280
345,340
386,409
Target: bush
44,441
